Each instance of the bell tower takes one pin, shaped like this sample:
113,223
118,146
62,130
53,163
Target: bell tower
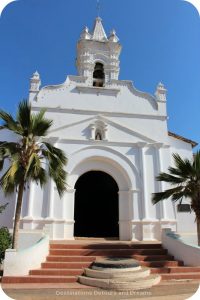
98,55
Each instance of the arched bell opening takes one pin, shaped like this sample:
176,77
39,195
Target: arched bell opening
98,75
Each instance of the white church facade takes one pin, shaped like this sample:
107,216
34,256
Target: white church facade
116,140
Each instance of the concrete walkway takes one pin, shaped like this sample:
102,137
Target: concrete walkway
171,290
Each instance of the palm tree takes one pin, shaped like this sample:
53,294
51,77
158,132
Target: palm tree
30,158
185,179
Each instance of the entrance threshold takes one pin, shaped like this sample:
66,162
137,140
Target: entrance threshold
97,238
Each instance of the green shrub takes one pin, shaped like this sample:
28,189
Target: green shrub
5,241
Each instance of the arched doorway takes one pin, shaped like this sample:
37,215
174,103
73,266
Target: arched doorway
96,206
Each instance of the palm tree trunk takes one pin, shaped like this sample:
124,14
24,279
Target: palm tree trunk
17,216
198,231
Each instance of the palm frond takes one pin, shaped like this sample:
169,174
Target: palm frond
9,122
59,176
40,125
183,165
7,183
24,116
55,152
9,148
1,164
157,197
177,172
170,178
33,167
40,177
27,156
196,163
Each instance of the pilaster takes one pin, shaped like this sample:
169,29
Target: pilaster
144,193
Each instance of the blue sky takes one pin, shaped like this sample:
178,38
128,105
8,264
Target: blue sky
160,39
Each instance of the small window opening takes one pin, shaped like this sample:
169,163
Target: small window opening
98,136
98,75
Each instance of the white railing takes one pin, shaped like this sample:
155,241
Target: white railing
189,254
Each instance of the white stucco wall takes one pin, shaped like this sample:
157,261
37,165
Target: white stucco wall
20,262
136,149
188,253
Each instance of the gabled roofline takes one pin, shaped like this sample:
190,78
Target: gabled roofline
179,137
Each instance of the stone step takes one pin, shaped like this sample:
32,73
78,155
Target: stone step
121,274
119,284
179,276
65,265
57,259
57,272
173,270
161,263
105,246
152,257
39,279
71,258
107,252
67,261
79,265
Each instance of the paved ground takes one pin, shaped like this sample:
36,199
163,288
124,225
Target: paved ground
164,291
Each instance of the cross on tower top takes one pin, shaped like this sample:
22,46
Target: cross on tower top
98,8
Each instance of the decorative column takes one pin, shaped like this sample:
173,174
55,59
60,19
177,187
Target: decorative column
51,187
68,213
31,199
166,221
125,233
51,200
28,219
92,131
161,184
135,212
135,209
147,224
144,193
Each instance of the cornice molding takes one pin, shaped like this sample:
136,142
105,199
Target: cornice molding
106,143
95,112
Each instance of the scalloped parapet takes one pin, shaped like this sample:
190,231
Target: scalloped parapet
75,93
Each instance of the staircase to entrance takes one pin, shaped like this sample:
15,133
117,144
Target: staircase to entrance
67,260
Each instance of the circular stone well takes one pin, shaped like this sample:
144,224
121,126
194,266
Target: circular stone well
116,263
118,274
